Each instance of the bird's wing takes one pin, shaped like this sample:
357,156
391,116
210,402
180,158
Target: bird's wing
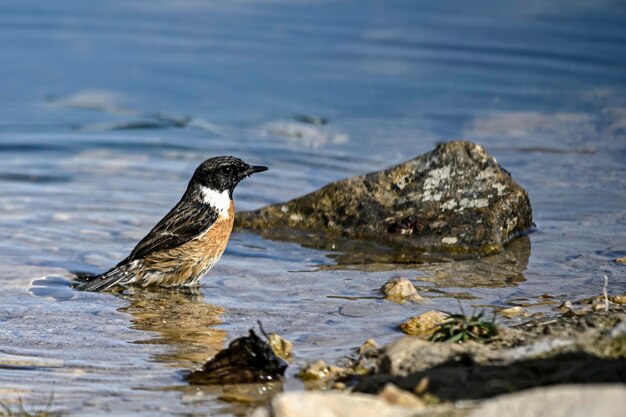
183,223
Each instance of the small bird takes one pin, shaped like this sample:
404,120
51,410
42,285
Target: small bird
190,239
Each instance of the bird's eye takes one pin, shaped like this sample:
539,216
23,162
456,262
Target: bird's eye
227,170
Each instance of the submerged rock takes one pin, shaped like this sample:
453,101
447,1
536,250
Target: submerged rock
455,199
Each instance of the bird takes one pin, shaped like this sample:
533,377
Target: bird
189,240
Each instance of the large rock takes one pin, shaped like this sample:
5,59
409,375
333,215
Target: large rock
331,404
486,381
455,199
563,350
559,401
408,355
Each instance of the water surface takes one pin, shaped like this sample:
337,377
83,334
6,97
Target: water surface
107,108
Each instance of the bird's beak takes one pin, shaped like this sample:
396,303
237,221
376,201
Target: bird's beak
254,169
257,168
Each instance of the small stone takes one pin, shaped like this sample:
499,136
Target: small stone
422,386
368,346
281,346
396,396
318,370
423,325
600,306
400,290
512,312
339,386
618,299
568,310
565,307
621,260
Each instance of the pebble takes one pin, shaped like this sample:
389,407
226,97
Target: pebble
423,325
318,370
281,346
368,346
400,290
512,312
396,396
618,299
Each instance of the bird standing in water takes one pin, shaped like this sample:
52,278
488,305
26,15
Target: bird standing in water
190,239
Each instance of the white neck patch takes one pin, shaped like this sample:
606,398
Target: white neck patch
219,200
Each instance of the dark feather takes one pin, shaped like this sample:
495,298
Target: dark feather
103,281
183,223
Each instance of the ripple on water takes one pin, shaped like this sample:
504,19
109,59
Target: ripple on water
112,105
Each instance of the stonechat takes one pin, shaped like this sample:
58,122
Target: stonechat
190,239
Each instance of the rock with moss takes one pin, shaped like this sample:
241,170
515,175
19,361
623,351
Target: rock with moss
572,349
455,199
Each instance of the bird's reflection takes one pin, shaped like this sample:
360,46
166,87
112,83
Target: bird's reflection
181,319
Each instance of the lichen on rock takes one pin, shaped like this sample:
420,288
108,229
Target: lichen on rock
455,199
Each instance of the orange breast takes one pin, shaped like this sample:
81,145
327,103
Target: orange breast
187,263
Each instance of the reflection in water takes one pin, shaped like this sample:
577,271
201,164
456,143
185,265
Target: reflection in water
502,269
182,320
392,81
237,399
186,323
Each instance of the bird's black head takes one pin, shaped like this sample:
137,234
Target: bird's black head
223,173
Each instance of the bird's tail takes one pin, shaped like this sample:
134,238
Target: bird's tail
102,282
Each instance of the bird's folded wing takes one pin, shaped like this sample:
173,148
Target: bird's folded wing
180,225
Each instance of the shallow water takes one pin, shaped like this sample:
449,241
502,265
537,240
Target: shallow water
106,109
